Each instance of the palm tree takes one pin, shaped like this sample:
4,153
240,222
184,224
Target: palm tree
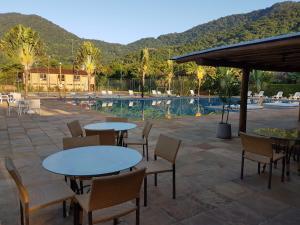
144,59
88,57
170,73
198,71
260,79
24,46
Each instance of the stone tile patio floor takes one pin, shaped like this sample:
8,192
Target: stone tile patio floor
209,190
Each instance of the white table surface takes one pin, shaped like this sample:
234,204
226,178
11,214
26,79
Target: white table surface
92,160
117,126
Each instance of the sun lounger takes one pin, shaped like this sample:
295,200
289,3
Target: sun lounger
130,92
260,94
169,93
296,96
249,93
104,93
110,93
159,93
154,93
279,95
192,93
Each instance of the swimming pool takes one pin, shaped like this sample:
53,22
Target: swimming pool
158,107
155,108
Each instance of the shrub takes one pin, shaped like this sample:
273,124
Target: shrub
287,89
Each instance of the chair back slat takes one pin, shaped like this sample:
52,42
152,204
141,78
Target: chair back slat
167,148
10,167
76,142
147,129
116,119
105,137
257,144
75,128
116,189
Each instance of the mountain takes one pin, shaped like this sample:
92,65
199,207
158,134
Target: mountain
57,39
278,19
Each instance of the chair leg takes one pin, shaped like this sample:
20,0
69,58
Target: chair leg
155,179
143,150
174,182
147,151
270,174
242,166
81,187
90,218
283,169
21,213
145,191
258,168
137,212
64,209
116,221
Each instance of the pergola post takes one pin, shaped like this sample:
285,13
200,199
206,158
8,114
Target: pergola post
244,97
299,113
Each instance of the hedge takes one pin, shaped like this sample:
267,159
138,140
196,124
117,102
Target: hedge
287,89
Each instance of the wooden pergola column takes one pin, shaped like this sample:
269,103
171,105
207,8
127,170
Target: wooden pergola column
299,113
244,97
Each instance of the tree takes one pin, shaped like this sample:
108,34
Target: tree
170,73
88,58
199,72
260,79
24,46
144,60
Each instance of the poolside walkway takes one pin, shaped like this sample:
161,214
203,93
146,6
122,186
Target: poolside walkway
209,190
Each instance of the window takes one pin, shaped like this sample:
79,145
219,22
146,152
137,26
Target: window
76,77
43,77
62,77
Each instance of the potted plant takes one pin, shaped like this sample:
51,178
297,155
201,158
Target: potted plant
227,85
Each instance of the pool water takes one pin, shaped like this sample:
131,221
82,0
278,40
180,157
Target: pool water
158,107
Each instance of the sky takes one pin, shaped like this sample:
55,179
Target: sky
125,21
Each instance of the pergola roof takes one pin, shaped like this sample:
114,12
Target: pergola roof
279,53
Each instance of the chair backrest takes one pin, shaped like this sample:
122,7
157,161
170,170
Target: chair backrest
297,95
257,144
76,142
34,104
192,92
154,92
75,128
159,93
105,137
116,119
261,93
280,94
109,92
130,92
167,148
146,130
103,92
249,93
169,92
116,189
10,167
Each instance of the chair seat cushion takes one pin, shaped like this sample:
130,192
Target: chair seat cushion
263,159
106,214
41,196
134,141
155,166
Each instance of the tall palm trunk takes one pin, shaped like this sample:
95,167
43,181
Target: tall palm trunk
143,84
89,82
199,85
26,75
169,85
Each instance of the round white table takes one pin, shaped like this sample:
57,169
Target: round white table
92,161
117,126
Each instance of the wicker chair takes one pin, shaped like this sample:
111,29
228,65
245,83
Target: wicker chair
75,129
166,149
260,149
106,137
110,198
143,141
36,197
121,120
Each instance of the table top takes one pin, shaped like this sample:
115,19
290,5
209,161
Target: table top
92,160
289,134
117,126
